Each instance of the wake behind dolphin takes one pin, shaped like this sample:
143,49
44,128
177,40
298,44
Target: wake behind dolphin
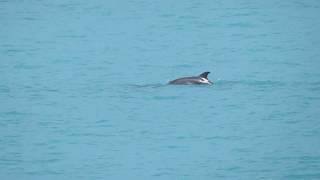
201,79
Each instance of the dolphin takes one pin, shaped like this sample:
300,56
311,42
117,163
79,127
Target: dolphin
201,79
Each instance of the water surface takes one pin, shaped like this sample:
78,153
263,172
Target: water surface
83,91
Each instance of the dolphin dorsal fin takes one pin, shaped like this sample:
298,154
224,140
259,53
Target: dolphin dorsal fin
204,75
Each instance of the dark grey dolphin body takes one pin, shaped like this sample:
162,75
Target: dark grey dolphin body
201,79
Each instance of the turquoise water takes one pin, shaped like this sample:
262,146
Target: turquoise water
83,91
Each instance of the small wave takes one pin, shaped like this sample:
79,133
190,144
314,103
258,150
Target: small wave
249,83
146,85
166,97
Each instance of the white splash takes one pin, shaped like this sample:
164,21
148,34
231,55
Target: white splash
204,80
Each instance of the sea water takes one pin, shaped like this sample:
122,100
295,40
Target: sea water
83,91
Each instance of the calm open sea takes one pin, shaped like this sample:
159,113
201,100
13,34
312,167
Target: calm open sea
83,91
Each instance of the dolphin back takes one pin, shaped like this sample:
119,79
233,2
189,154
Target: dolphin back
201,79
186,80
